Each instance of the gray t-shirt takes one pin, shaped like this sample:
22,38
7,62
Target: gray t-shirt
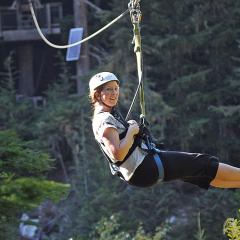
103,120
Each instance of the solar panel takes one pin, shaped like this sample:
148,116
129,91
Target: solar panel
75,35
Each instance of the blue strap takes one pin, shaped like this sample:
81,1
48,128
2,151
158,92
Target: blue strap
159,165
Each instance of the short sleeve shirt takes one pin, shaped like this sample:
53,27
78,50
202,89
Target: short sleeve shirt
103,120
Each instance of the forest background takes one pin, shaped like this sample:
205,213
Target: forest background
192,82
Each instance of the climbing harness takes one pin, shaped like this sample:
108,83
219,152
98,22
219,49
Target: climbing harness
144,136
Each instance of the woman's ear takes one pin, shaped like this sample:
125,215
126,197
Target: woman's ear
97,96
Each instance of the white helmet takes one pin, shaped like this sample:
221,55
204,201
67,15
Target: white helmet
100,79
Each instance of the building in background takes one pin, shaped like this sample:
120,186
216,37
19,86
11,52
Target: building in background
34,58
18,33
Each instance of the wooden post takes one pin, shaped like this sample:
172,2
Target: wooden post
82,66
25,61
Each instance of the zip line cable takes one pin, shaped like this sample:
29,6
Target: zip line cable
76,43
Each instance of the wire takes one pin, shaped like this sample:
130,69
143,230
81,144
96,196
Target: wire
133,102
76,43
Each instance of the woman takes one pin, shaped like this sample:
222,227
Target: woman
130,157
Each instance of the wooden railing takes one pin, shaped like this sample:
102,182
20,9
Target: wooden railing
49,16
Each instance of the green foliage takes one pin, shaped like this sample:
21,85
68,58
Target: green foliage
232,228
64,128
200,235
7,91
107,229
17,194
18,115
24,194
27,193
22,158
19,157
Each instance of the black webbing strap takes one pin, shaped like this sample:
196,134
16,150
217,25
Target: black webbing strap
137,141
113,166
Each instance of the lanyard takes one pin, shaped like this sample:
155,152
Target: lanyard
136,15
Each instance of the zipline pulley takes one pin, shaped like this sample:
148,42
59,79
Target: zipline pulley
135,12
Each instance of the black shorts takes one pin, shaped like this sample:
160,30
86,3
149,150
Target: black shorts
146,173
195,168
198,169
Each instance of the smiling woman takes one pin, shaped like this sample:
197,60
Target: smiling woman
109,94
128,151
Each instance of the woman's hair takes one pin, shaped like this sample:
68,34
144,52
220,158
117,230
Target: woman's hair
93,95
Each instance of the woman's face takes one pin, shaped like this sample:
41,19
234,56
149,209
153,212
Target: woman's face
110,93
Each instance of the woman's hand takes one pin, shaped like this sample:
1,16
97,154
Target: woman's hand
133,127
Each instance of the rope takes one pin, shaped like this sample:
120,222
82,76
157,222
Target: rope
76,43
133,102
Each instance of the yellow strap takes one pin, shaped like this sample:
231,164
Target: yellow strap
138,52
136,15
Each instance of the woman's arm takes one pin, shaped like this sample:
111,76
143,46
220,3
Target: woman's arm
119,148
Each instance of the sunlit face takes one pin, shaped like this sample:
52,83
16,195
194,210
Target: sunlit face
110,93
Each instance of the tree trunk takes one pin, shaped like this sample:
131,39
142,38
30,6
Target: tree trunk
82,66
25,61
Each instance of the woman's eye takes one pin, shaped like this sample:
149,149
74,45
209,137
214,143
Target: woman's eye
111,90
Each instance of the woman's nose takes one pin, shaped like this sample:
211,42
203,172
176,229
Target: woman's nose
114,91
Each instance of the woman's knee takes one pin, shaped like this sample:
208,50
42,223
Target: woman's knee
227,172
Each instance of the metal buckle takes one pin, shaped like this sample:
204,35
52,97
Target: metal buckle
135,12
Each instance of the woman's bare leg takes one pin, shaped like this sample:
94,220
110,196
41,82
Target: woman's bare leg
227,177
